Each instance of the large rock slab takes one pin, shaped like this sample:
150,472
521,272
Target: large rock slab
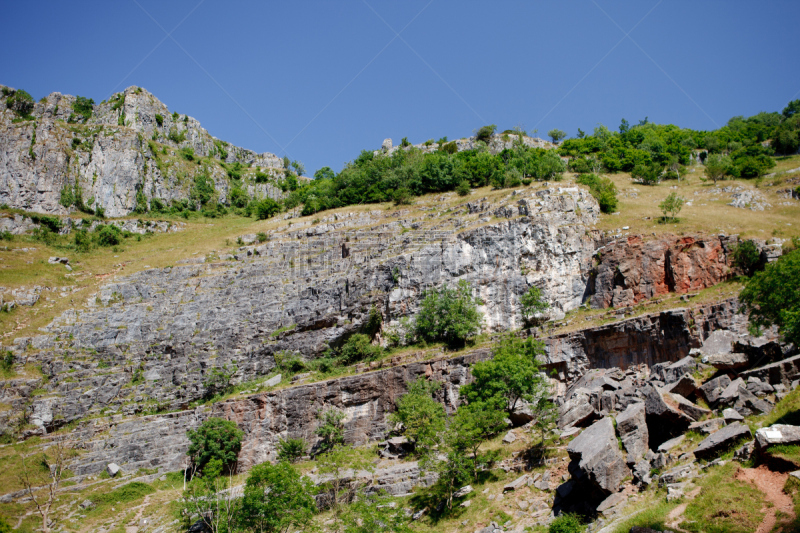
777,434
729,361
670,373
782,372
595,456
685,406
722,439
713,389
576,412
632,428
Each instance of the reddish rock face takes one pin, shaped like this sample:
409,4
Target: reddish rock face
631,270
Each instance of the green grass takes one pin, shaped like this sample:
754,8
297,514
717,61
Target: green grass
653,516
724,505
786,411
787,452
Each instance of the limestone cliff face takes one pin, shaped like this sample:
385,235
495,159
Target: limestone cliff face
130,144
157,336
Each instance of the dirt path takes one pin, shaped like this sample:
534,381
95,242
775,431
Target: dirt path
676,515
771,484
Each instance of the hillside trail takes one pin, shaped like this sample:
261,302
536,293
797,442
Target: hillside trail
133,528
771,484
675,516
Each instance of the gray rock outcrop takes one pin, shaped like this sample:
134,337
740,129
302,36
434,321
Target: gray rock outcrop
596,457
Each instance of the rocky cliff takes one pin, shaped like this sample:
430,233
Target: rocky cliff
127,147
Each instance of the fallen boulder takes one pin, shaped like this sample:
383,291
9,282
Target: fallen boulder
729,361
595,455
783,372
576,411
672,372
777,434
695,412
632,429
685,386
713,389
722,439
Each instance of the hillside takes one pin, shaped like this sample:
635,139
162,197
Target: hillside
314,316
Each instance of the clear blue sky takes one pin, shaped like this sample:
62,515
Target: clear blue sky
323,80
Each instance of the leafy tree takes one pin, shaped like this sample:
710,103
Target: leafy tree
772,297
21,103
624,126
532,304
108,235
266,208
786,139
83,106
448,314
671,206
325,173
336,464
202,189
330,429
484,133
299,168
359,347
556,135
291,450
548,167
747,257
463,188
422,417
470,427
209,495
513,374
791,109
374,513
717,166
216,438
646,174
277,499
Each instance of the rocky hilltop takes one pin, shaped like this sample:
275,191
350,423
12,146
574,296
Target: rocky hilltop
130,145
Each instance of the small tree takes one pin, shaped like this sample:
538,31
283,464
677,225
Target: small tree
646,174
513,374
448,314
266,208
359,347
771,297
374,513
325,173
532,305
210,496
556,135
671,206
277,500
463,188
330,429
422,417
299,168
216,438
747,257
55,463
484,133
717,166
470,427
291,450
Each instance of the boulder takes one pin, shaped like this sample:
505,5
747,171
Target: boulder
672,372
671,443
517,483
612,501
708,426
731,415
595,455
692,410
712,389
273,381
632,429
575,412
641,473
777,434
664,418
463,491
784,372
719,342
758,387
731,392
722,439
112,469
729,361
509,438
685,386
521,415
675,475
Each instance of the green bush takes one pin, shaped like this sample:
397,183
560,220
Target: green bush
747,257
771,297
83,242
176,137
277,499
216,438
202,189
187,153
159,120
83,106
266,208
238,197
359,347
603,190
484,133
330,429
449,315
646,174
21,103
566,523
291,450
108,235
261,177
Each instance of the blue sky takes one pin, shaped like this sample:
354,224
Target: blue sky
320,81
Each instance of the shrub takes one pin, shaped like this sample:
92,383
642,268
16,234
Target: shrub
513,178
176,137
21,103
566,523
108,235
187,153
747,257
402,196
159,120
216,438
359,347
277,499
291,450
83,107
556,135
422,417
330,429
484,133
448,314
646,174
671,206
262,237
463,188
771,297
266,208
83,242
261,177
603,190
449,148
532,304
238,197
717,166
218,380
202,189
